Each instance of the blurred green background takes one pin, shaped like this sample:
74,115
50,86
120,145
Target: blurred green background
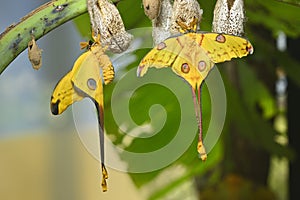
42,156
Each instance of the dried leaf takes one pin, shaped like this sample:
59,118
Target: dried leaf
229,17
161,25
106,21
185,11
34,54
152,8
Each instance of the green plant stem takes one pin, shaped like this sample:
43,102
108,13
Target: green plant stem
38,23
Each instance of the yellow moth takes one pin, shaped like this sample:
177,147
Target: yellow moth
192,56
84,80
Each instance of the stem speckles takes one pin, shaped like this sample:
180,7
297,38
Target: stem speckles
15,44
59,8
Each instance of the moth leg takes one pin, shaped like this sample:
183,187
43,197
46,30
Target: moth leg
193,24
96,38
184,28
86,45
97,41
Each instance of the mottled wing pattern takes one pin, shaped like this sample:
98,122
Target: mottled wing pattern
192,63
223,47
163,55
183,54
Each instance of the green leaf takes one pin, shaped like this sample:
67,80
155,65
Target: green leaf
275,16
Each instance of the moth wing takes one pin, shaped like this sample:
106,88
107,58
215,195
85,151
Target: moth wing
64,94
192,63
87,79
162,55
224,47
183,55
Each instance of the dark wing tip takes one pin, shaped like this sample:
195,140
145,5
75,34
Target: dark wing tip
250,49
54,107
139,71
